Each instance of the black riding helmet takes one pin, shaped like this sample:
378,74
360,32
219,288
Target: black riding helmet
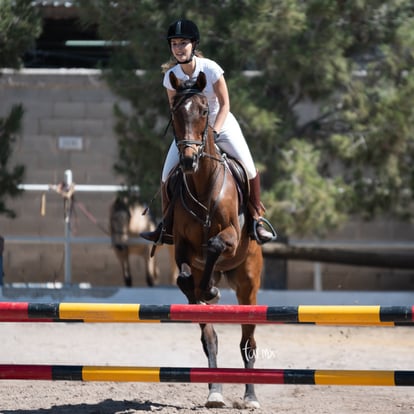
184,29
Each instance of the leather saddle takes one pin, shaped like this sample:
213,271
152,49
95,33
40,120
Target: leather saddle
236,169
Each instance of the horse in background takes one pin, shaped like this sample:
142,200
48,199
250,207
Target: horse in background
126,222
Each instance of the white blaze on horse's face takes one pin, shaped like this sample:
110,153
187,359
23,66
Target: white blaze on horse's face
187,106
189,153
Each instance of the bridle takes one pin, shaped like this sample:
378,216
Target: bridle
182,97
210,208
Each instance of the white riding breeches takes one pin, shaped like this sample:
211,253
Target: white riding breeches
230,140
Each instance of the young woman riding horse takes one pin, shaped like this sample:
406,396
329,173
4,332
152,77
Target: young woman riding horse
207,218
183,38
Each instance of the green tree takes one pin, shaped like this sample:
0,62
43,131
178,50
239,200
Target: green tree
10,176
350,61
19,26
354,61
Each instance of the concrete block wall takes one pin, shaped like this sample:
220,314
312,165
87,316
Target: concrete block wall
62,103
78,103
69,103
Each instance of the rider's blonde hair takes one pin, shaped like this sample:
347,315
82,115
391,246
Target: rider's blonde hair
172,62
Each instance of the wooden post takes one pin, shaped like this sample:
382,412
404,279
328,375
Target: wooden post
386,259
275,270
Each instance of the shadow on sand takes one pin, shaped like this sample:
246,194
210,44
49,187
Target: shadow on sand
104,407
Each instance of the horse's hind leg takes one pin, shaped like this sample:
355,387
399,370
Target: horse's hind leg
248,351
210,346
248,284
209,341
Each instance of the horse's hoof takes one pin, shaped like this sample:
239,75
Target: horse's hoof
251,403
211,296
185,281
150,282
215,400
246,404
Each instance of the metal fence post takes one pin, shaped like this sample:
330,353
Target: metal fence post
317,277
68,211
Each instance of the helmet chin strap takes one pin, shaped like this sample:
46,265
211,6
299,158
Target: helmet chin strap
188,60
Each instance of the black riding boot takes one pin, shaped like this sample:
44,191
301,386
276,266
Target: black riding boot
257,209
163,233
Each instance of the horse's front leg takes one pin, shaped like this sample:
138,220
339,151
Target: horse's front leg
185,279
222,244
206,292
126,271
151,268
210,347
122,253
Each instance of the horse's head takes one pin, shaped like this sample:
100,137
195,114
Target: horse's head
190,120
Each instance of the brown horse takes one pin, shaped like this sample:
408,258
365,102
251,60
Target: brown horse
210,226
126,222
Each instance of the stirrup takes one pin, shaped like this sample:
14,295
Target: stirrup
159,236
163,237
259,222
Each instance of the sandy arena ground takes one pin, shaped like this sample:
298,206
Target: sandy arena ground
280,346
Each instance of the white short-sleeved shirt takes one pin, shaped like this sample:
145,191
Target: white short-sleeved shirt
213,73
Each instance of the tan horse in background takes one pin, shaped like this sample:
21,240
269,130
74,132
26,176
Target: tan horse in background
126,222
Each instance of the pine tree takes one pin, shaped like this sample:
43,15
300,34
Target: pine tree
19,26
10,176
351,62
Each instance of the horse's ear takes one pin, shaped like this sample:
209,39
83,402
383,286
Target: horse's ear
201,81
174,80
